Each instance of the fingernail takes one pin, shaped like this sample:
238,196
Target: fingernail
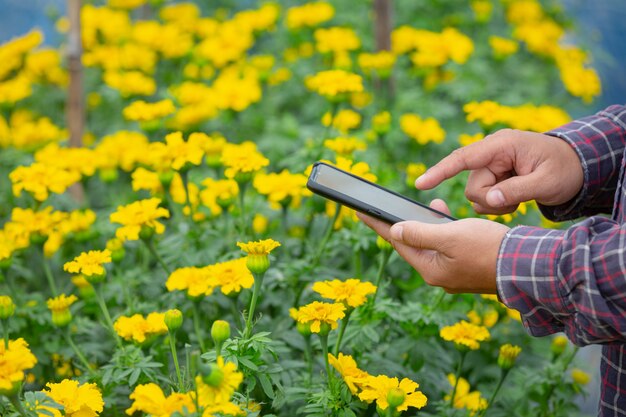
421,178
396,232
495,198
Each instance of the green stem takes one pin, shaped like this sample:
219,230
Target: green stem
324,343
566,364
235,312
342,330
150,244
48,273
196,326
175,358
324,241
17,404
258,281
105,312
458,376
503,375
308,354
185,178
384,259
78,352
242,207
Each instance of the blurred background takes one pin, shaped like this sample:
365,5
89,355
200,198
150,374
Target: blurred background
598,27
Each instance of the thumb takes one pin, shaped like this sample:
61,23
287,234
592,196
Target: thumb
514,190
417,235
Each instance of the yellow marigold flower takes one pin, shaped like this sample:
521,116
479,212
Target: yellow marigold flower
218,194
261,247
352,292
344,121
140,111
242,161
237,90
508,355
377,388
44,65
502,47
150,399
15,89
231,276
422,130
465,335
465,139
220,385
12,51
336,40
463,398
581,82
354,377
523,11
559,343
134,216
541,37
77,400
318,313
123,149
41,179
126,4
197,282
283,189
89,263
379,63
279,76
15,358
413,171
345,146
482,9
488,319
140,329
60,309
143,179
381,122
309,15
259,224
130,83
580,377
332,84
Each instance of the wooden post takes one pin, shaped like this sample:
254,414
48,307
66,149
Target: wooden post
383,10
75,110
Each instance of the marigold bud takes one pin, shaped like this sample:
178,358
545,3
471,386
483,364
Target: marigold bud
395,397
580,377
324,329
304,329
108,175
146,232
7,307
258,264
166,178
96,278
508,355
5,264
173,319
215,376
61,318
220,331
559,344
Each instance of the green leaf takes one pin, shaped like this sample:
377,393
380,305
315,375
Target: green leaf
266,385
248,364
134,376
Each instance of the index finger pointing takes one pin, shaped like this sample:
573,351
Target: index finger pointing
474,156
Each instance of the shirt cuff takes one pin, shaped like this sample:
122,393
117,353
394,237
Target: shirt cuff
528,279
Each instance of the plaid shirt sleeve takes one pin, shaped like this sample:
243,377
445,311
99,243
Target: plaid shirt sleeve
599,141
574,280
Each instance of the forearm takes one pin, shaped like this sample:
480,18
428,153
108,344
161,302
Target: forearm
572,281
599,141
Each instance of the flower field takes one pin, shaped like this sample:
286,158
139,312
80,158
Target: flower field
164,258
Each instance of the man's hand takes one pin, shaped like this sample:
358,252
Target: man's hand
459,256
510,167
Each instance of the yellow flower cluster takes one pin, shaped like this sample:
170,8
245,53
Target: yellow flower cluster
218,194
140,111
422,130
139,329
318,313
463,398
242,161
379,388
334,84
130,83
524,117
13,51
336,40
24,131
15,358
231,276
414,170
432,49
309,15
542,35
89,263
379,63
344,121
75,400
351,292
237,90
135,216
41,179
465,335
345,146
502,47
283,189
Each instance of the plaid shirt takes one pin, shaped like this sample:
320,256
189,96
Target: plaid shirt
574,280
